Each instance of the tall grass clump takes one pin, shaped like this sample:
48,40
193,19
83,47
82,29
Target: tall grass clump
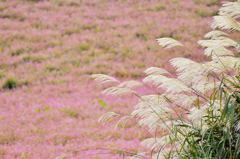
195,112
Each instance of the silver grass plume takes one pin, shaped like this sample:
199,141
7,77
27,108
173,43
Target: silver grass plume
117,91
171,85
108,117
104,79
231,9
156,71
168,43
225,22
130,84
215,34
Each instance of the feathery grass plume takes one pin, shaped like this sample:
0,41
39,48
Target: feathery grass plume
178,99
231,8
152,110
122,121
215,66
156,143
108,117
104,79
168,42
223,42
130,84
196,114
226,23
196,78
215,34
218,51
185,74
182,64
116,91
227,62
198,110
156,71
171,85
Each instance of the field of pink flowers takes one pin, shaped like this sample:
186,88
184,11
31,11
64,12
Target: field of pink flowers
50,47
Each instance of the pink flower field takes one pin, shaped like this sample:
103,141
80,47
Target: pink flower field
49,105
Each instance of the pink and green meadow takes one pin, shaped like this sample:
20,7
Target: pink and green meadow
49,105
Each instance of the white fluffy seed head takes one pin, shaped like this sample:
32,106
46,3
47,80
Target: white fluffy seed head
215,34
156,143
223,42
218,51
108,117
225,22
196,78
226,62
181,64
122,121
150,110
231,9
196,115
155,71
118,91
183,100
171,85
168,42
130,84
104,79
